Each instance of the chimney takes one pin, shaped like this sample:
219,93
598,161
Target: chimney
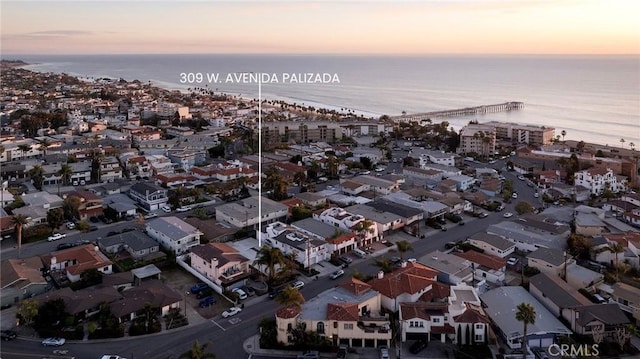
403,264
380,274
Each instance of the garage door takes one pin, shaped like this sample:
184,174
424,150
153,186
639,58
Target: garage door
540,342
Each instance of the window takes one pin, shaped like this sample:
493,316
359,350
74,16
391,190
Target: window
348,326
436,320
320,328
335,325
289,327
478,337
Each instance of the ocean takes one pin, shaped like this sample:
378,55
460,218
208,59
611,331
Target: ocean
592,98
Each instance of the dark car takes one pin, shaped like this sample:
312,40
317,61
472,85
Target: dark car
65,246
198,287
9,335
94,219
112,233
93,228
204,293
417,347
345,260
208,301
450,245
250,291
274,293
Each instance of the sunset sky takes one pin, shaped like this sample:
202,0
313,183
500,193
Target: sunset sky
327,27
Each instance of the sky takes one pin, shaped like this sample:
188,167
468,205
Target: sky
321,27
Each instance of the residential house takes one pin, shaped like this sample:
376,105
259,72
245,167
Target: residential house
220,263
349,314
212,231
72,262
383,220
408,215
555,294
90,204
340,240
148,196
244,213
549,260
597,180
339,217
485,266
627,297
311,199
405,284
137,244
21,279
152,292
592,318
492,244
306,248
501,304
173,234
451,269
627,242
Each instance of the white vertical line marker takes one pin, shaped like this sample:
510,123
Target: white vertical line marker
259,161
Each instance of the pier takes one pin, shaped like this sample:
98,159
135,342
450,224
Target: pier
468,111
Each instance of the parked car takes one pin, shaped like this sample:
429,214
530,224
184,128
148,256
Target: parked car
93,228
231,312
94,219
297,284
208,301
345,260
54,342
514,195
310,354
65,246
9,335
55,237
198,287
512,261
417,347
384,352
204,293
184,209
151,215
70,225
337,274
274,293
166,208
508,215
241,294
110,356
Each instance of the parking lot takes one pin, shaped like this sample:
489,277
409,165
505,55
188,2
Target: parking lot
181,282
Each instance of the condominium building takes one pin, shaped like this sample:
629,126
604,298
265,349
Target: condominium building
476,138
522,133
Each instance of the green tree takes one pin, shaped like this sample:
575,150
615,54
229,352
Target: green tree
37,176
523,207
71,206
270,258
275,182
18,221
384,264
300,212
616,248
290,297
198,351
24,148
403,247
65,173
333,165
83,226
299,178
91,277
55,218
28,310
526,314
44,145
366,162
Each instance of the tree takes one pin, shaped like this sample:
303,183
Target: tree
28,310
622,141
290,297
299,178
563,133
364,227
366,162
44,145
276,183
403,247
580,146
384,264
71,206
616,248
197,351
37,176
622,335
18,221
24,148
55,218
523,207
526,314
332,167
270,257
65,173
96,166
300,212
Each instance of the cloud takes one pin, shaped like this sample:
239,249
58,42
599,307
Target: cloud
54,34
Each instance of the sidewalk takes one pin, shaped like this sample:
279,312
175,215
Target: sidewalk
251,345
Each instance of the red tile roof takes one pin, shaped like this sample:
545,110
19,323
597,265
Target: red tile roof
482,259
411,279
342,312
287,312
355,286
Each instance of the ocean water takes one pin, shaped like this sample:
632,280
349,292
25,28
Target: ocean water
592,98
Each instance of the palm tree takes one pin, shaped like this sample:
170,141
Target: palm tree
65,173
270,257
197,351
44,145
622,141
384,264
332,167
290,297
300,178
563,133
24,148
527,315
362,228
37,176
403,247
18,221
632,145
616,248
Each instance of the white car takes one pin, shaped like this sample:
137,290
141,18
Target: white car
184,209
337,274
514,195
521,178
70,225
231,312
411,260
512,261
508,215
110,356
55,237
166,208
53,342
241,293
536,195
297,284
151,215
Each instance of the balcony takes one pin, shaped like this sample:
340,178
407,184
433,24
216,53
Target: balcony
374,323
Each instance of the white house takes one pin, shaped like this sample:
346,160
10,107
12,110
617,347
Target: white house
599,179
339,217
174,234
307,249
